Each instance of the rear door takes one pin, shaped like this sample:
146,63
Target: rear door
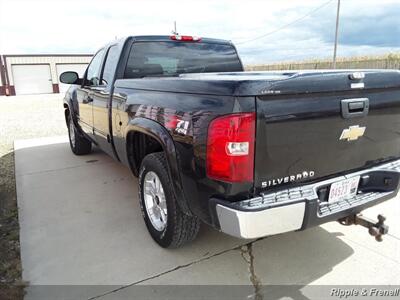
85,93
102,100
316,126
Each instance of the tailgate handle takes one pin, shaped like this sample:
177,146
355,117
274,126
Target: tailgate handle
352,108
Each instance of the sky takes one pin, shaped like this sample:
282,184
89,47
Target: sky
264,31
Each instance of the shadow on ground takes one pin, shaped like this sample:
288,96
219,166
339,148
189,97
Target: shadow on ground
285,264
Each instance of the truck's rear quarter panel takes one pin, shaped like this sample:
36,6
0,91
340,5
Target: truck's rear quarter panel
170,110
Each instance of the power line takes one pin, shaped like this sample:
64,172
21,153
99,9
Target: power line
286,25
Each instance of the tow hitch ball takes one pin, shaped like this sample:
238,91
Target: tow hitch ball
376,229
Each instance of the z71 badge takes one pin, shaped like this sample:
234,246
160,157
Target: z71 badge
182,126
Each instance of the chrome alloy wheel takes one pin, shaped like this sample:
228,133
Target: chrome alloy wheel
154,200
72,133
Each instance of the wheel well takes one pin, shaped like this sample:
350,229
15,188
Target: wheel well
138,146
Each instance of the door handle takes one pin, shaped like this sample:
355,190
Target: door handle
88,99
357,107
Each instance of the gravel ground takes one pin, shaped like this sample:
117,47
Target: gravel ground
20,117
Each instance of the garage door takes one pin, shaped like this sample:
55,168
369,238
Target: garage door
32,79
79,68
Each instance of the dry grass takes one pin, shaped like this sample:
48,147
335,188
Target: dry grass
387,61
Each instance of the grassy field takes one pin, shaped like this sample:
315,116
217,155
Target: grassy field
388,61
20,117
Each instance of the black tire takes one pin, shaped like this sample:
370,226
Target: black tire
80,145
180,228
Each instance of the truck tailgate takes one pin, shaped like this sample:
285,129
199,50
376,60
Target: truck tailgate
312,126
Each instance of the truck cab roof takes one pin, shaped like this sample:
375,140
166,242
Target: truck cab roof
164,38
167,38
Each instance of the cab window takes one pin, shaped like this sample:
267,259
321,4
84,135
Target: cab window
110,65
164,59
93,71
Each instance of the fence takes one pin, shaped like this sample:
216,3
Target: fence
390,61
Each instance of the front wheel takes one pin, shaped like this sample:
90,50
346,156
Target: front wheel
168,225
80,145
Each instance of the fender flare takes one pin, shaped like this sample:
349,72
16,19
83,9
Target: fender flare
161,134
72,109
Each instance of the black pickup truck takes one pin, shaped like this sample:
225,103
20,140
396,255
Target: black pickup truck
250,153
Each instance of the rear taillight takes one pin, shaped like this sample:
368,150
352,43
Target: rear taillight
230,148
185,38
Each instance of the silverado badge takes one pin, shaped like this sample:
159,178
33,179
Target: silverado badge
289,178
352,133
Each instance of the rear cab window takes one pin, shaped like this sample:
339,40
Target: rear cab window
165,59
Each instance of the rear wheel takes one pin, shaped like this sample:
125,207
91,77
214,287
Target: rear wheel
168,225
80,145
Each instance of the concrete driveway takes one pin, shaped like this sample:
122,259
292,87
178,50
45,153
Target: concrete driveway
81,225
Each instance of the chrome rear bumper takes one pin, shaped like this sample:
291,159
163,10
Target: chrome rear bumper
254,224
285,211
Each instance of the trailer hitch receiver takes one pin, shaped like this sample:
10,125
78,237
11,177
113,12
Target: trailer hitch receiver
376,229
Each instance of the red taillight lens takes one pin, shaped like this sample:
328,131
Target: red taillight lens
230,148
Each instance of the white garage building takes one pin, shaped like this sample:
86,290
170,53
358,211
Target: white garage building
38,74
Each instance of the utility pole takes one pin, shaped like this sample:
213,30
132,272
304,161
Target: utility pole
336,35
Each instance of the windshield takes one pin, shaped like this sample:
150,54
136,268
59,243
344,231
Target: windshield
174,58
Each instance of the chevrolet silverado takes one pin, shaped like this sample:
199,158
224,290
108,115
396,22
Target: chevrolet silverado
250,153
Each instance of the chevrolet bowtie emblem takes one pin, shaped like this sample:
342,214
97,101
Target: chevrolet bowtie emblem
352,133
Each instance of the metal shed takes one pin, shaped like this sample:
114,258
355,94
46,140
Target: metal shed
39,73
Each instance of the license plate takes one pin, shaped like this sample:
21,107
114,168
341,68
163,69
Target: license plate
343,189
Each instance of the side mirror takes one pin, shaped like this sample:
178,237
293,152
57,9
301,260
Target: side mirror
69,77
